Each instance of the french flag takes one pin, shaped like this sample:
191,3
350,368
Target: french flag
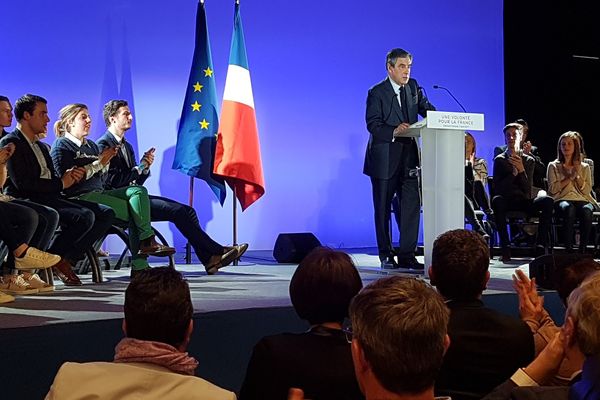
237,155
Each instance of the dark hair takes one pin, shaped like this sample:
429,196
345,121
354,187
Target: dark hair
323,286
460,260
27,103
401,324
512,125
521,121
572,275
111,108
394,54
158,306
4,98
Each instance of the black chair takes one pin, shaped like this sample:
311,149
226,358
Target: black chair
120,229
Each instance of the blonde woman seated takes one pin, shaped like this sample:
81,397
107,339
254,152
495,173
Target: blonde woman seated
131,203
570,185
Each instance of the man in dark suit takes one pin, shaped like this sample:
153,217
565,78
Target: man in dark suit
486,347
392,160
32,177
125,170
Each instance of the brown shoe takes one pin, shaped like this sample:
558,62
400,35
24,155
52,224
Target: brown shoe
218,261
65,273
150,247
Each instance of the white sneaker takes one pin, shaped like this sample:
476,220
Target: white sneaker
6,298
35,282
36,259
15,284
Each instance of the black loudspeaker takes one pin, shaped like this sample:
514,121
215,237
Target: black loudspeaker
545,269
291,248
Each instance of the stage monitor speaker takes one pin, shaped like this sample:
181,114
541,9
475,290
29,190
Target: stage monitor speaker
291,248
545,269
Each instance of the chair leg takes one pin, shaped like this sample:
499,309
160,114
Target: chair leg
94,265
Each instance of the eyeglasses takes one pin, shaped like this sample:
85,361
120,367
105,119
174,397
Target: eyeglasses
348,333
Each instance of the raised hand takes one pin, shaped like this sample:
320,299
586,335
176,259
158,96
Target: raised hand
107,155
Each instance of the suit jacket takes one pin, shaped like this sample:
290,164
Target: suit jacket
321,365
121,173
385,155
106,380
509,185
24,171
486,347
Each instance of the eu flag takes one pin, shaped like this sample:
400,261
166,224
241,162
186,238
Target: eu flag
199,124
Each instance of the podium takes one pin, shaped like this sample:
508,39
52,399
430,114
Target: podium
443,171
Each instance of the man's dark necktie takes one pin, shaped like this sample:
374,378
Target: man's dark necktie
404,104
125,153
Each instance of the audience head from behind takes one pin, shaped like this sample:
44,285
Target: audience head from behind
459,265
5,113
399,338
31,112
582,321
323,286
158,308
571,276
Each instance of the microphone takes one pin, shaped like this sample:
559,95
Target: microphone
450,93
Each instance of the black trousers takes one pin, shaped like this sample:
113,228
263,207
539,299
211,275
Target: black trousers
82,224
407,215
540,205
186,221
48,219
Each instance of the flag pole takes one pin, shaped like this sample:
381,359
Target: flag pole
234,202
188,246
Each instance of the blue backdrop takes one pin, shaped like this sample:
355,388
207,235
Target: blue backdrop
311,67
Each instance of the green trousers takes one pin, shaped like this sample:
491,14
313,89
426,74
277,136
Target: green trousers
131,205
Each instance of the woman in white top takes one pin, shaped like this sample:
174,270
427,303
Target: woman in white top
570,184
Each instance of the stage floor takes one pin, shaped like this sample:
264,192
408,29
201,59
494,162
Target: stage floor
258,282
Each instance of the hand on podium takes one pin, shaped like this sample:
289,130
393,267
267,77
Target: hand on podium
401,129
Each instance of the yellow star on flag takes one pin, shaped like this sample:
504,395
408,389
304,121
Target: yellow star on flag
198,87
204,123
208,72
196,106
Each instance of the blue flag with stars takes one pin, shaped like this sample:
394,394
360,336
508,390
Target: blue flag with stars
199,124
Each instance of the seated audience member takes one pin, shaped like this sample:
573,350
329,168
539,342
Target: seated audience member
476,198
539,170
18,225
318,361
399,336
124,170
578,339
485,346
570,184
130,203
32,177
47,217
531,308
513,183
150,362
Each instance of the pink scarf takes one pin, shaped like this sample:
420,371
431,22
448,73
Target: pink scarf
133,350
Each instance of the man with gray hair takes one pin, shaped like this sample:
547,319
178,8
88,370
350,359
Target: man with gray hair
399,338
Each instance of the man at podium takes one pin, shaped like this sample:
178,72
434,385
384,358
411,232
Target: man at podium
392,161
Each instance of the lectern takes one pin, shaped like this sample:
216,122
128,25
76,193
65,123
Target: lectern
443,171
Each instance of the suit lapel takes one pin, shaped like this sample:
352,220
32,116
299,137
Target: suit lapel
30,154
